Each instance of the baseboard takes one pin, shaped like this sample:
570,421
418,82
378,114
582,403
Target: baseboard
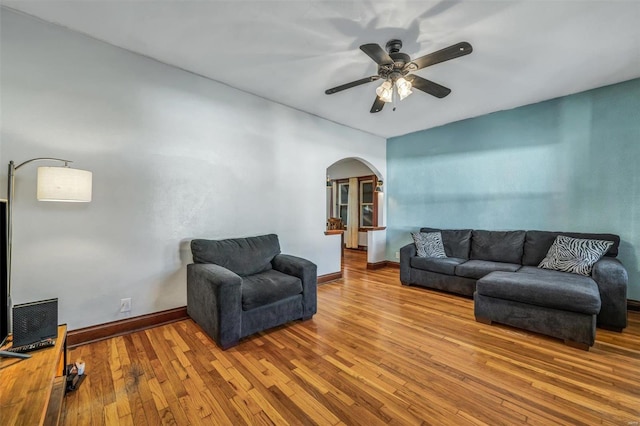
384,264
107,330
376,265
329,277
633,305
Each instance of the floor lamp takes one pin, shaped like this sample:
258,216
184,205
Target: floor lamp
53,184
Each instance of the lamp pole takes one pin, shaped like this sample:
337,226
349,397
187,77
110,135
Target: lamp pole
10,186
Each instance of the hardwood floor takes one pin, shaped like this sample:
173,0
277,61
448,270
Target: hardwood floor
375,353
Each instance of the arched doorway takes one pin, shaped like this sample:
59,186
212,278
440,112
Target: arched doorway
355,206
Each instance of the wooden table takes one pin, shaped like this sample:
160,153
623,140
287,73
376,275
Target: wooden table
32,390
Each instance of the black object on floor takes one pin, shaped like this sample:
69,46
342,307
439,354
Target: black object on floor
73,378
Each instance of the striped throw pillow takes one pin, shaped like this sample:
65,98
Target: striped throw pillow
574,255
429,244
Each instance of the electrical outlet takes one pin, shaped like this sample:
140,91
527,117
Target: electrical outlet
125,305
397,255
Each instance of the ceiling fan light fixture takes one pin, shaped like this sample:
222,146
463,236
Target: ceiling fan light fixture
385,91
404,88
394,65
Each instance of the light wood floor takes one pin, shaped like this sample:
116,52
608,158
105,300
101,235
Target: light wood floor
375,353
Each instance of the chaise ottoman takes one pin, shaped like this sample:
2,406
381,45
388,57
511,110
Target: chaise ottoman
564,309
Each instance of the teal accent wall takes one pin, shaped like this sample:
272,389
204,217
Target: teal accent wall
568,164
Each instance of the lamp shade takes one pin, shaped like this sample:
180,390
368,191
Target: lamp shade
385,91
404,88
64,184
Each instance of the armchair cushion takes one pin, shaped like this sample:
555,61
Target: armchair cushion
244,256
268,287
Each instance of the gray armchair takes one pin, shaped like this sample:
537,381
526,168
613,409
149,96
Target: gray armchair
240,286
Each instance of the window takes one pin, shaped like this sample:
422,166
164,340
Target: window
343,200
366,203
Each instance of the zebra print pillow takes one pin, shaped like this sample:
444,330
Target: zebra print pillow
574,255
429,244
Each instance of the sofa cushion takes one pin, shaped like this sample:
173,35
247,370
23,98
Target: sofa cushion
268,287
569,292
479,268
550,274
574,255
445,265
428,244
457,242
537,244
497,246
244,256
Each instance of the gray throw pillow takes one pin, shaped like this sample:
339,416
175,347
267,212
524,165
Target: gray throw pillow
574,255
429,244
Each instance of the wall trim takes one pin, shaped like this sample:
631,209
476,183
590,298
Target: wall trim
329,277
107,330
392,264
376,265
633,305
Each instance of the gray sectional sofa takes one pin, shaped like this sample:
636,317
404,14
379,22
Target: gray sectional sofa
500,270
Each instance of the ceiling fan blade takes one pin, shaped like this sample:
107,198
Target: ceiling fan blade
377,53
352,84
451,52
377,106
428,86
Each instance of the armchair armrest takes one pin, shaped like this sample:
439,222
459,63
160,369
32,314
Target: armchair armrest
406,253
214,301
307,272
612,279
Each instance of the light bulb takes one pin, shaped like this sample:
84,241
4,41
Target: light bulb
385,91
404,88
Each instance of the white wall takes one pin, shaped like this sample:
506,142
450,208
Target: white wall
376,241
174,156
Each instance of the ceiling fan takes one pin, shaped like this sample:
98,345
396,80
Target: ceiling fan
395,68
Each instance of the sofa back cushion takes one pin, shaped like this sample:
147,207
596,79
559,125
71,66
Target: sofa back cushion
538,243
244,256
457,242
498,246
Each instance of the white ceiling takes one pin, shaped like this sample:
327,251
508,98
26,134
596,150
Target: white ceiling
291,51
